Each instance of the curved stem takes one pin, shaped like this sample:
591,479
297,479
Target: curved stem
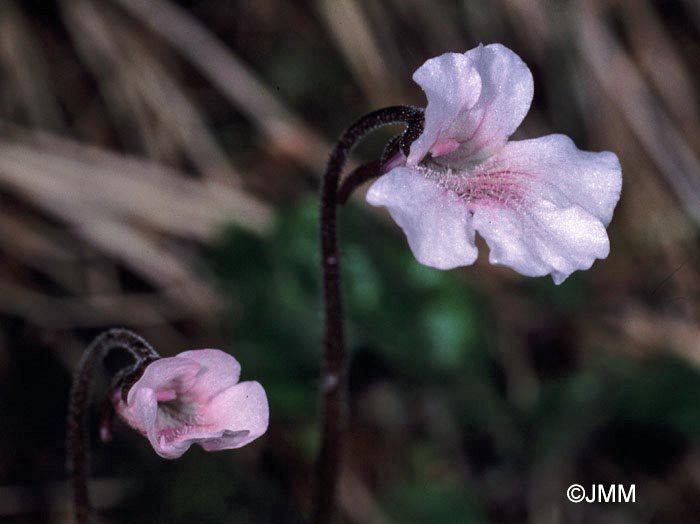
79,400
370,170
359,176
333,377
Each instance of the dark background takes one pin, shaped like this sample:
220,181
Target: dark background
159,166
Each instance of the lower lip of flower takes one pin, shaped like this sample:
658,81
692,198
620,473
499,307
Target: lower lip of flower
174,433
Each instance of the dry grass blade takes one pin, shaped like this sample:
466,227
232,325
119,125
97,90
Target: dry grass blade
663,63
108,201
485,21
27,71
650,331
652,126
41,248
381,19
141,92
23,237
435,24
532,17
158,196
284,130
92,311
353,35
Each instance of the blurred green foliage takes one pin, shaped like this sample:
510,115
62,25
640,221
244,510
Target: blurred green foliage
424,322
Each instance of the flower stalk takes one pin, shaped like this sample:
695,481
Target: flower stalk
78,461
333,373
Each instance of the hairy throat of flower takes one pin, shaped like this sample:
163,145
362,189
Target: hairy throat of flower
484,184
176,418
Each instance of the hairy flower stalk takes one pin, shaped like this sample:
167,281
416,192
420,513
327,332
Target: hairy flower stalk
77,436
333,377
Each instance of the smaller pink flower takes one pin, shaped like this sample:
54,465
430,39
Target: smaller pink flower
195,398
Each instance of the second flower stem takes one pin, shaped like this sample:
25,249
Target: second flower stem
79,403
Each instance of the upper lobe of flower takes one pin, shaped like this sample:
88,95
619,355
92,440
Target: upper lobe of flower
542,205
476,100
195,398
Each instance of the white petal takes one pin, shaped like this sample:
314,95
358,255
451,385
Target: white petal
241,413
542,205
555,165
476,100
228,440
218,371
145,407
169,450
436,222
543,239
171,373
142,414
142,410
452,86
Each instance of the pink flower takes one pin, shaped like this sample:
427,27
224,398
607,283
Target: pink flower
195,398
542,205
